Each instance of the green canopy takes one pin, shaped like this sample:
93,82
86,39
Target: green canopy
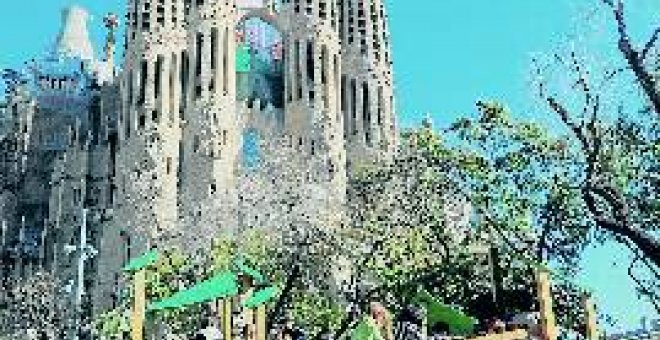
437,312
141,262
220,286
366,330
243,268
260,297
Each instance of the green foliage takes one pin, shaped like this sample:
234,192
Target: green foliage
527,188
629,158
113,324
518,180
524,196
518,177
403,209
402,255
317,312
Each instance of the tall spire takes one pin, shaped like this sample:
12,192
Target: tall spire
73,39
111,22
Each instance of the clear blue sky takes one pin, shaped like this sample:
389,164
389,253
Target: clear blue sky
447,55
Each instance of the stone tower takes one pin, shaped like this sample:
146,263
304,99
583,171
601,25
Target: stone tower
313,64
149,122
367,80
73,39
211,134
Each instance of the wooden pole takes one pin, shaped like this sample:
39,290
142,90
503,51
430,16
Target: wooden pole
137,319
548,324
590,317
225,315
425,326
248,314
261,322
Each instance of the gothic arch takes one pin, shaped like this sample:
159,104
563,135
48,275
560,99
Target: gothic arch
268,16
264,83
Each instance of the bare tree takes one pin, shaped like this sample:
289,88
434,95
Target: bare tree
597,138
619,182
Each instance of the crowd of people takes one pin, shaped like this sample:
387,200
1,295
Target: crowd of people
379,324
376,324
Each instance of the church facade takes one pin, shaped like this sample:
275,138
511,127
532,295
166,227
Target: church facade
156,140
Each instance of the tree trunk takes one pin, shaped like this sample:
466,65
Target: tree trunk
279,305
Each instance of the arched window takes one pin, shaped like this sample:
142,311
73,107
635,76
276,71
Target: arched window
259,62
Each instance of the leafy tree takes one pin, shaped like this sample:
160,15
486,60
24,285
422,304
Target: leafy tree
432,217
317,312
523,196
113,324
517,175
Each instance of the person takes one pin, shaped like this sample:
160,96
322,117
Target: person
409,323
376,325
383,320
496,326
210,330
291,333
286,334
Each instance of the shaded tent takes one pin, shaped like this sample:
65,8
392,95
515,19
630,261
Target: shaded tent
366,330
241,267
439,313
219,286
145,260
260,297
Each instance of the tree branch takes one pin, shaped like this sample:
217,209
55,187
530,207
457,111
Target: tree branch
634,58
564,115
288,287
652,296
650,43
613,73
593,188
542,244
619,224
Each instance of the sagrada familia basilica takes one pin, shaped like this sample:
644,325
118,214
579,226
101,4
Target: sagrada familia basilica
88,141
